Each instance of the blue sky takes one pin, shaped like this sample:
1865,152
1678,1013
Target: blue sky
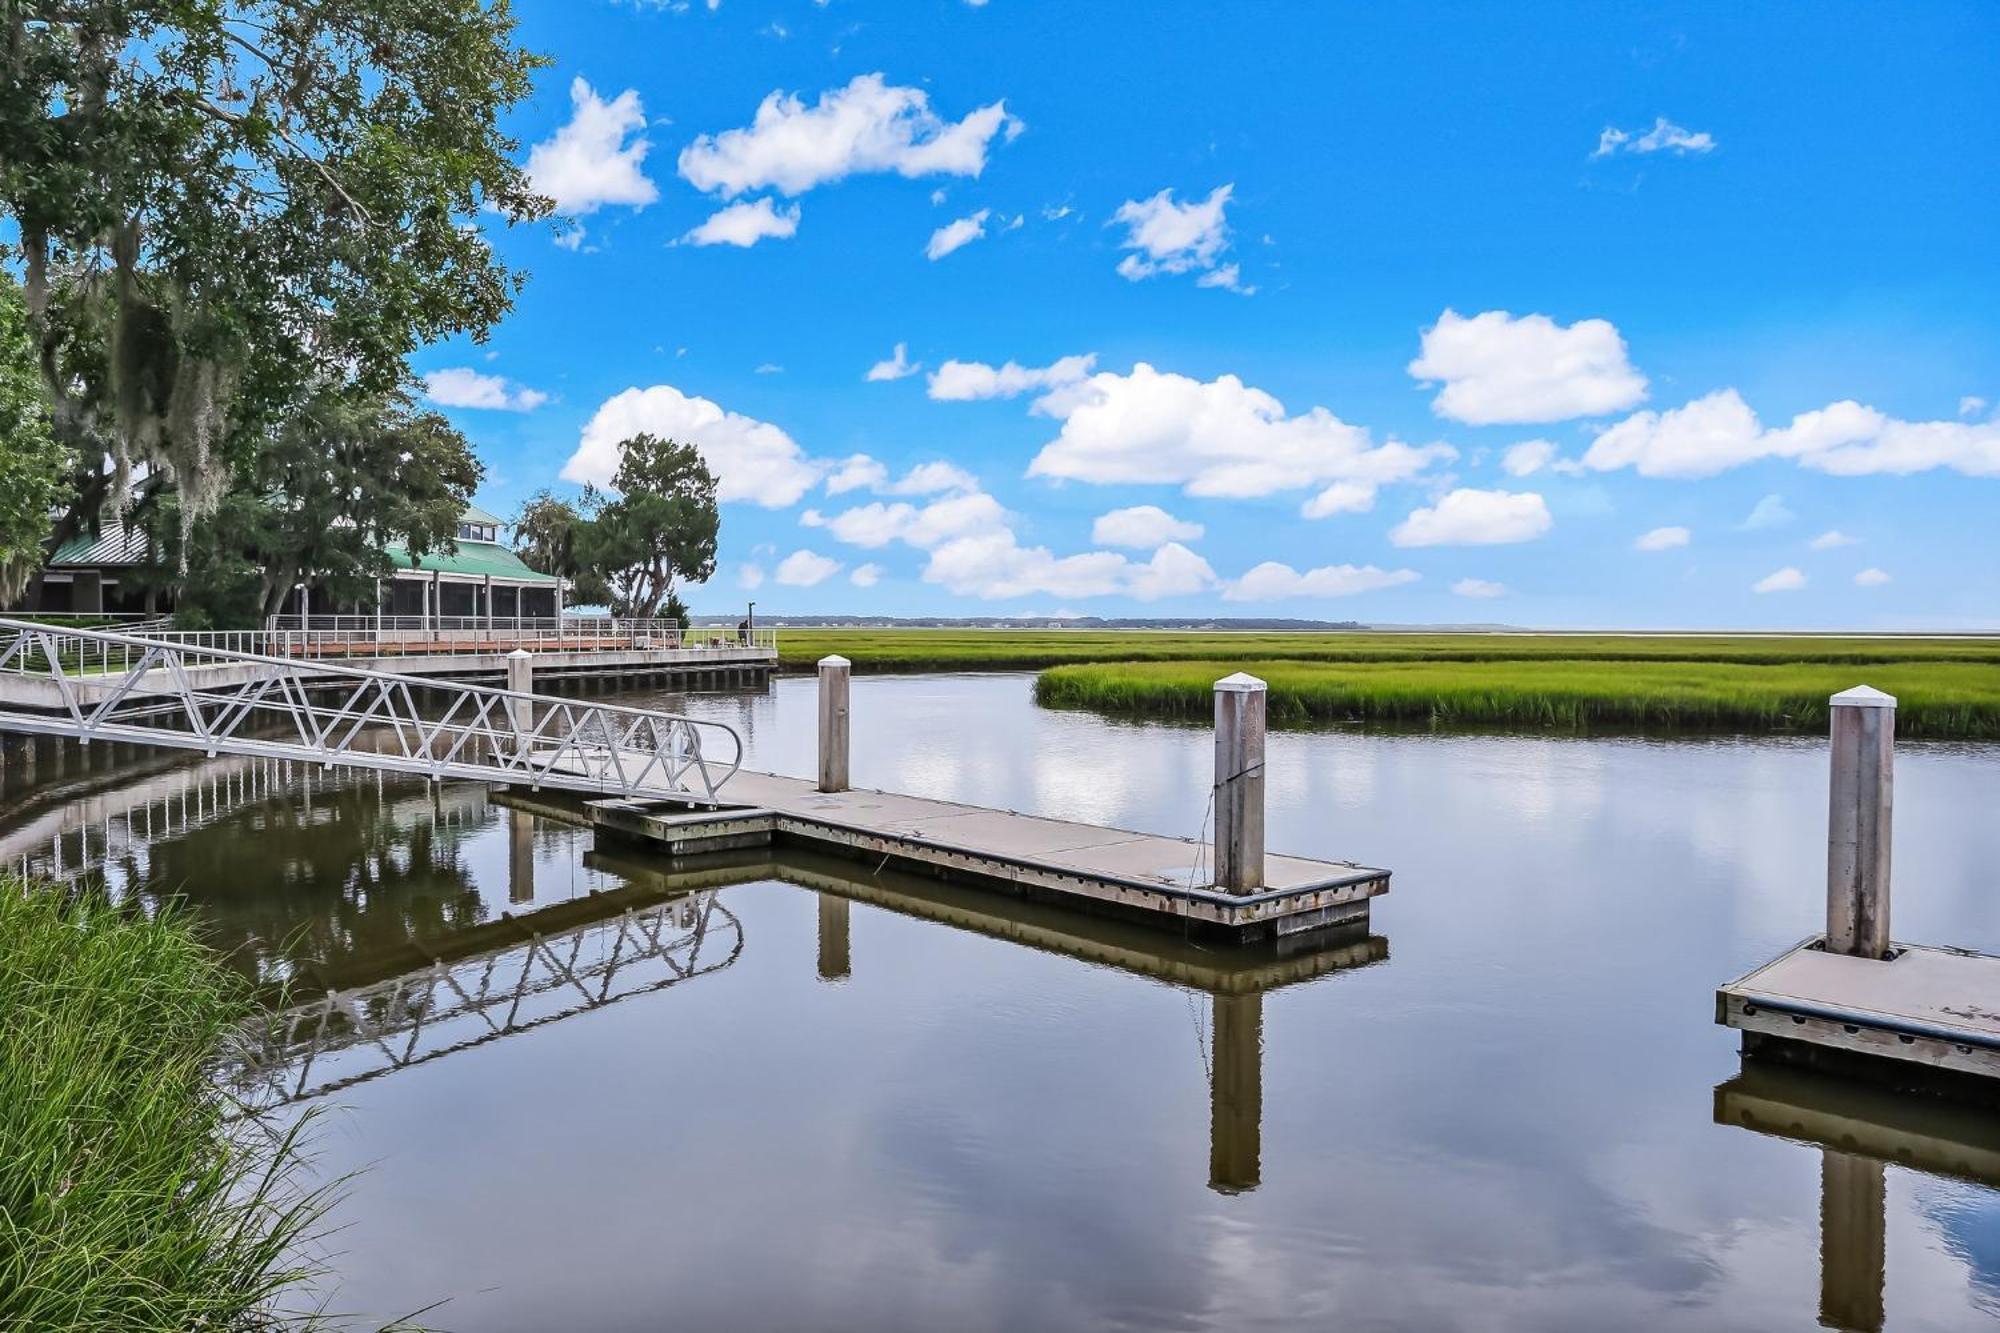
1553,315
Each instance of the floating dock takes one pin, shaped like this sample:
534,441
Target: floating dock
1165,881
1853,1001
1934,1010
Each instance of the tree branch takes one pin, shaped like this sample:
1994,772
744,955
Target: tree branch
325,173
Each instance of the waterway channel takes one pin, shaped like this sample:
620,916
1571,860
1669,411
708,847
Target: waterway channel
584,1094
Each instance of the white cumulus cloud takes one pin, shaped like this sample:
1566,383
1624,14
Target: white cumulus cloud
753,460
1166,236
1343,497
1272,581
595,159
1827,541
1870,578
1478,588
898,366
746,223
1663,539
462,387
956,235
805,569
865,576
1971,405
1788,579
1663,137
1719,431
1144,527
868,126
1468,517
1499,369
1769,512
1218,437
960,381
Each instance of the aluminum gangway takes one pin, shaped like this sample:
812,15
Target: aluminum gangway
100,685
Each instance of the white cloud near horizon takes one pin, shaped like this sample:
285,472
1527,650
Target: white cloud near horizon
753,461
1662,539
956,235
868,126
745,223
805,569
963,381
460,386
1788,579
1471,517
1142,527
1273,581
595,159
1478,588
1220,438
1870,578
1496,369
865,576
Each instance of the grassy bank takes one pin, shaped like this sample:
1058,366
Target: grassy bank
993,650
1937,698
126,1201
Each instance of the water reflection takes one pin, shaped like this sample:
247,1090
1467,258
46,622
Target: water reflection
1860,1131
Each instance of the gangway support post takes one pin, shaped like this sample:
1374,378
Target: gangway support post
521,680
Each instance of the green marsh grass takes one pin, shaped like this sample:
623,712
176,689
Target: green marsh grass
1952,699
128,1200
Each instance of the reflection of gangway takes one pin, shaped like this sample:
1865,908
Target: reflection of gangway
498,979
65,682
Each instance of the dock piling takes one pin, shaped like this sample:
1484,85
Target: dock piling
521,680
1859,822
1239,783
833,680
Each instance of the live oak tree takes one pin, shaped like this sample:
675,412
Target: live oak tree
316,503
223,206
31,462
657,530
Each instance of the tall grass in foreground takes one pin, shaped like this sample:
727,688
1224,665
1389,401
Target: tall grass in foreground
126,1199
1938,699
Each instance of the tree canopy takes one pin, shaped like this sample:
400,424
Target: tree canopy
31,462
658,530
226,206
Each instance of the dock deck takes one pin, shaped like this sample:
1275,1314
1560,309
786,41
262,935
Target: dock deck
1925,1008
1166,880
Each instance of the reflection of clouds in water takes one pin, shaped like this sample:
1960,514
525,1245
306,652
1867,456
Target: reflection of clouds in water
1967,1223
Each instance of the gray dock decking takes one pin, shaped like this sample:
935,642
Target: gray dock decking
1166,880
1933,1008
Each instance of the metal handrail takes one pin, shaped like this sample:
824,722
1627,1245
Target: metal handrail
365,638
223,700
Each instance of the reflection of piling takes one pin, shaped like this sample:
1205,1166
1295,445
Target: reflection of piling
1852,1242
520,856
834,964
1236,1094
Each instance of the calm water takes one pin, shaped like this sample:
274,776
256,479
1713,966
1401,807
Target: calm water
762,1105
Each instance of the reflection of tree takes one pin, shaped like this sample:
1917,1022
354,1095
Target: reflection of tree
358,870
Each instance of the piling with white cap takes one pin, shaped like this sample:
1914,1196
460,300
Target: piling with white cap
833,679
1239,783
521,680
1858,822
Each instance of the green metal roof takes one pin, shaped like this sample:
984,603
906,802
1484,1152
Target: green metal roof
474,514
478,559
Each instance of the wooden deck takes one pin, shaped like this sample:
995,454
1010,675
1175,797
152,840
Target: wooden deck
1164,880
1925,1008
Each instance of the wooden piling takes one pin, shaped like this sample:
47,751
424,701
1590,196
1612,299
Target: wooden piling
1239,783
521,680
833,680
1859,822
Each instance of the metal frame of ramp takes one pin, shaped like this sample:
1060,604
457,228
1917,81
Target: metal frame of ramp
223,702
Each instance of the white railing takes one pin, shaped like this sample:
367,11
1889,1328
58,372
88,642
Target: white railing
223,701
